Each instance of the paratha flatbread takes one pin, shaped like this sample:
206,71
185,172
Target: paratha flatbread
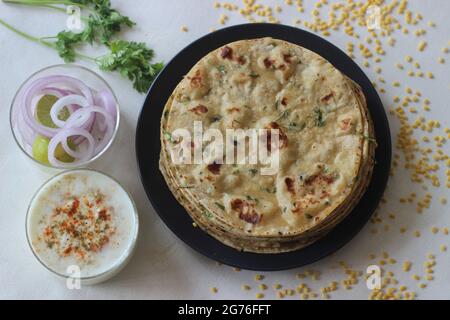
326,144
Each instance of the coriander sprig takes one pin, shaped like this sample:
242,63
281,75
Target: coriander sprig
131,59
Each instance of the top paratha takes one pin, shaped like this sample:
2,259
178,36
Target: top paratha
324,131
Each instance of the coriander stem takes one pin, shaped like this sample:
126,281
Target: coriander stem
26,35
82,56
52,5
40,40
35,4
45,2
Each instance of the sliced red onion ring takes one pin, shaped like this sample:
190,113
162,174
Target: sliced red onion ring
88,130
61,137
53,92
72,108
80,155
88,126
35,89
106,99
28,136
59,93
68,100
109,120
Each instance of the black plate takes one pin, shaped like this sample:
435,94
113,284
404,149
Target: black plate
174,215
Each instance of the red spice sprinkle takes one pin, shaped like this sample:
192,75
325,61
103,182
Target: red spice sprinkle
68,250
102,214
74,208
80,227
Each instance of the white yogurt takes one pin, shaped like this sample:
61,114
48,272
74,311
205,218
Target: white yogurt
82,219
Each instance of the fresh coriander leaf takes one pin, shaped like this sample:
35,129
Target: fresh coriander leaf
132,60
319,120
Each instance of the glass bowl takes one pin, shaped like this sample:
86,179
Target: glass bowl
89,78
101,264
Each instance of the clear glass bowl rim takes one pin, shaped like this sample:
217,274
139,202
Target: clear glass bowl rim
79,165
122,258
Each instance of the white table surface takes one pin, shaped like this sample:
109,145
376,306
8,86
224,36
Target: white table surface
163,267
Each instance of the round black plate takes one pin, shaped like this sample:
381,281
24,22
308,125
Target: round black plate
173,214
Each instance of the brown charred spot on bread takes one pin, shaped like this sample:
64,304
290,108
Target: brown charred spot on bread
199,109
241,60
327,97
214,168
324,194
297,207
287,58
226,53
282,67
304,203
233,109
345,124
273,125
282,137
246,211
268,63
237,204
319,178
197,79
253,217
290,185
284,101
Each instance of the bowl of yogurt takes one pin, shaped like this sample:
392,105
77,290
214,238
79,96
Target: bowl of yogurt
82,224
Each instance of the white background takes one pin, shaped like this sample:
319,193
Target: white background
163,267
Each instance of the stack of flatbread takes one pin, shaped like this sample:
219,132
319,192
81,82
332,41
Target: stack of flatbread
325,145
